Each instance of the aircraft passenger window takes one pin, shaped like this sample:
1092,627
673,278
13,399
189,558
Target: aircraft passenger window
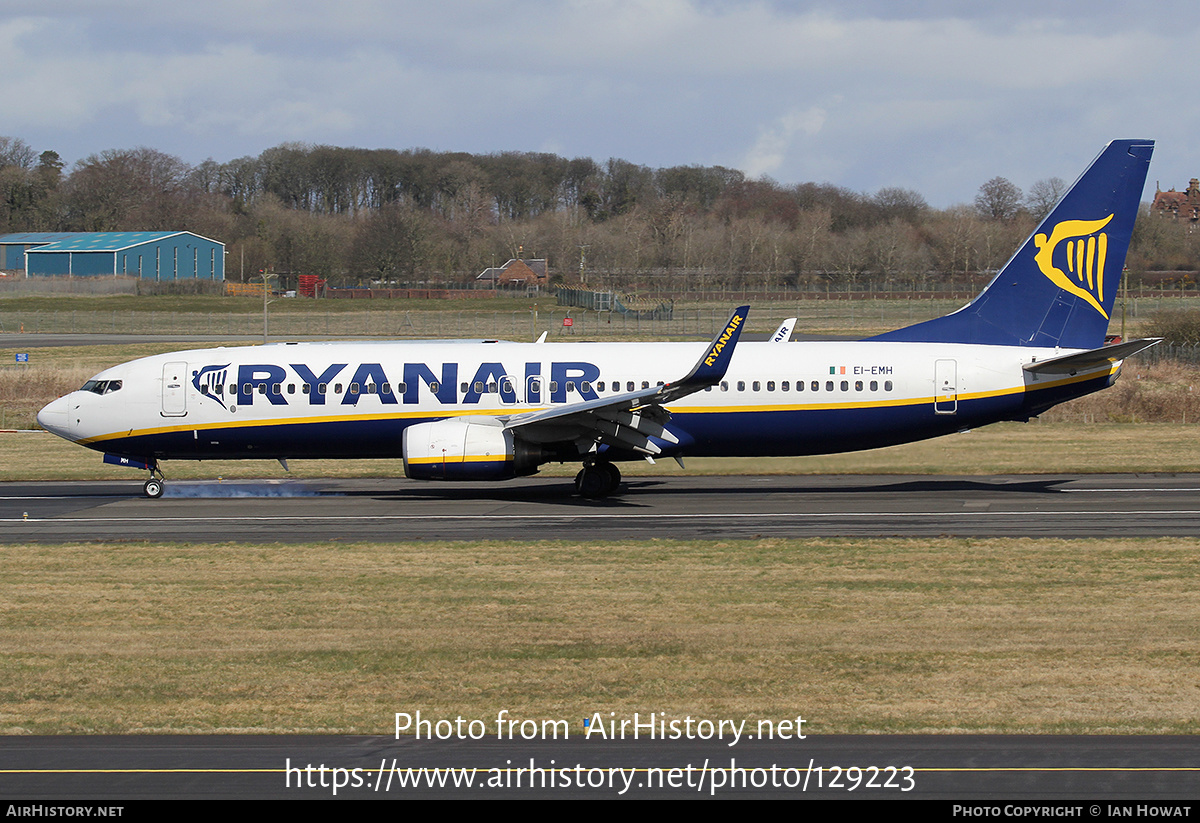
492,387
275,389
479,387
858,385
570,385
403,387
247,388
600,385
660,383
372,388
724,385
645,384
757,386
585,387
874,385
816,385
828,385
233,388
337,388
845,385
553,386
783,386
887,385
770,385
262,388
306,388
204,389
708,388
463,388
629,386
322,388
741,385
219,389
291,388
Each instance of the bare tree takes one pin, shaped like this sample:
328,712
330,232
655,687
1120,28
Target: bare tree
1043,195
16,152
998,199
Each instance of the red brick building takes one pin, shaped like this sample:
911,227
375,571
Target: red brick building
1179,204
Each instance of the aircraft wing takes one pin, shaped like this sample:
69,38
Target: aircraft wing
630,420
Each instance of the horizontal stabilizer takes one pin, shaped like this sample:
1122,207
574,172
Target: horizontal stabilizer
1084,360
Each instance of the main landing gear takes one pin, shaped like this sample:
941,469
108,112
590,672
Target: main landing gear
597,480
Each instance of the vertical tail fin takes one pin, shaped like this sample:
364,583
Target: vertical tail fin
1059,288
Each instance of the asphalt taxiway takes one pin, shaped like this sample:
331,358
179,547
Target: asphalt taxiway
545,508
1054,771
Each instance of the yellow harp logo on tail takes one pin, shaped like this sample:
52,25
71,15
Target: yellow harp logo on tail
1085,250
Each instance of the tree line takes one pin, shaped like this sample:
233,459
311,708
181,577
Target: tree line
361,216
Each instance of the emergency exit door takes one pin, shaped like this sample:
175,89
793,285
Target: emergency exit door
945,386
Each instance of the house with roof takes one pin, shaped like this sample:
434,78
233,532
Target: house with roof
516,270
151,255
1179,204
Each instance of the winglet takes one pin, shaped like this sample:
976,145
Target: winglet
711,367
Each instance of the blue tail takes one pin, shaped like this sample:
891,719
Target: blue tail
1059,288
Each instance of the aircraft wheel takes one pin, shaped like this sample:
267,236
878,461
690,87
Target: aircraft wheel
153,488
592,482
598,480
614,475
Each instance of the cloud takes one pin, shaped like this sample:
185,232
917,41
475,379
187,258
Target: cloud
864,95
774,142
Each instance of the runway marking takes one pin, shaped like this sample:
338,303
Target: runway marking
597,515
1135,491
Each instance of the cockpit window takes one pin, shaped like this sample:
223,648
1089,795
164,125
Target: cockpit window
102,386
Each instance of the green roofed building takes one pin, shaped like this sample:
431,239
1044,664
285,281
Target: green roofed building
150,255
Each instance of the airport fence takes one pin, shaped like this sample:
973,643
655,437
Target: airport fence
836,316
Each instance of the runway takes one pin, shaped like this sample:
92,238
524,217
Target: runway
1055,771
545,508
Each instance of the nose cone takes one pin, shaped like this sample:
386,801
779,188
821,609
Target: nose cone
54,418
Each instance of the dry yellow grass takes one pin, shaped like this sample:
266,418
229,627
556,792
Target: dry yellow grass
1051,636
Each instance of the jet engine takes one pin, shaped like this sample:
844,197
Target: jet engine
468,449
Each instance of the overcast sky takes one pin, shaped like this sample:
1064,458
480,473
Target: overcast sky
935,96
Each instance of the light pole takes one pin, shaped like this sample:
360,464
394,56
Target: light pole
266,290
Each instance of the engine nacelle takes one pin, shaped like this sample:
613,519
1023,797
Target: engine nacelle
466,449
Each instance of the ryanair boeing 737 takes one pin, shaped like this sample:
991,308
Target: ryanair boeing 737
493,410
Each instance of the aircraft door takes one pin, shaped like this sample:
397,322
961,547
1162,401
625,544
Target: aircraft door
174,390
945,387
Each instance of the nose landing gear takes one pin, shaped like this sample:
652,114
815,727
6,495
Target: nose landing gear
154,487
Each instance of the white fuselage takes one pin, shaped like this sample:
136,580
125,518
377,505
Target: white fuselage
343,400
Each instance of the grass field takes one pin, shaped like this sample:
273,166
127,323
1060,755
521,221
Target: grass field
858,636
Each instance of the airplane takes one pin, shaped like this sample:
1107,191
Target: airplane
495,410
